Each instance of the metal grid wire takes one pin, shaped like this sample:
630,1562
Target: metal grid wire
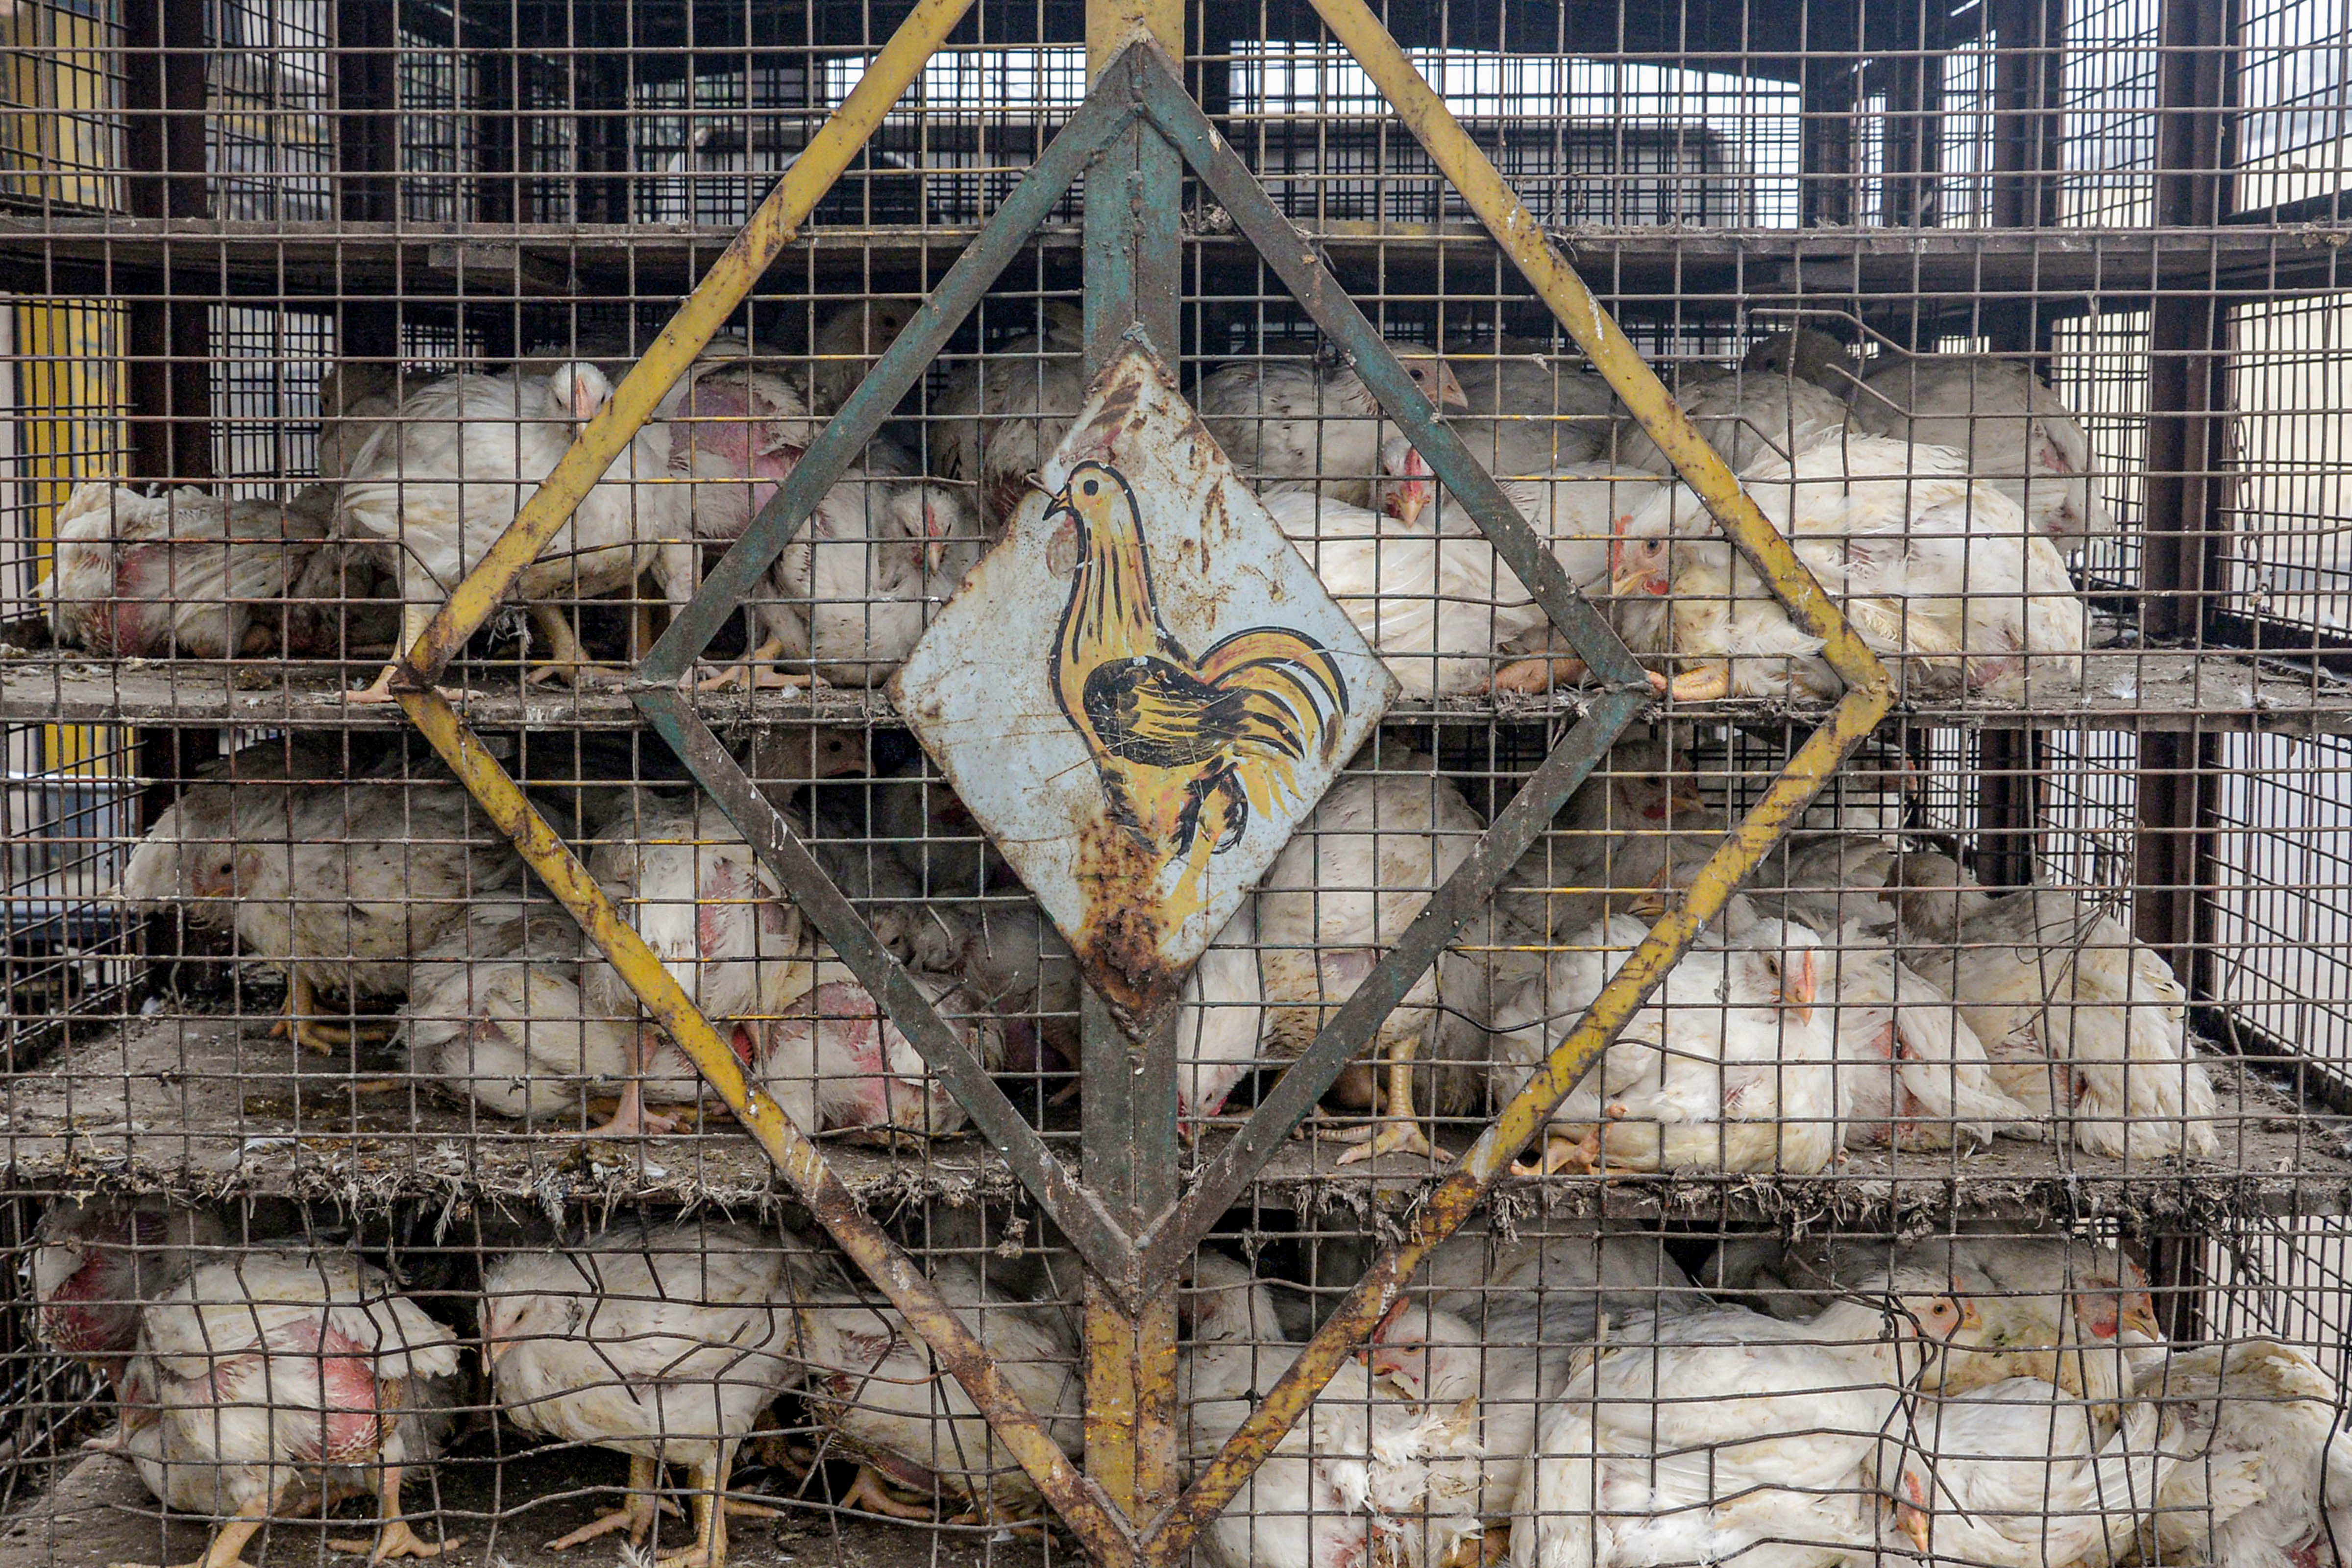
1971,1188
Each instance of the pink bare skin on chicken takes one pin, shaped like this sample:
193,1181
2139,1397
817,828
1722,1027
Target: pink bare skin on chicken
726,429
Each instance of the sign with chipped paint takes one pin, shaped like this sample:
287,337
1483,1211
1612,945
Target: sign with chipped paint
1141,689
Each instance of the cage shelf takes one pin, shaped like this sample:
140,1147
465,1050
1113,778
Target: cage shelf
214,1105
2066,271
2122,689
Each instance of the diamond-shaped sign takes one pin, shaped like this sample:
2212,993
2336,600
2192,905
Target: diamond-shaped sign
1141,689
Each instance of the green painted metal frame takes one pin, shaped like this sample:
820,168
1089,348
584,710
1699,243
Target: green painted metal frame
1128,135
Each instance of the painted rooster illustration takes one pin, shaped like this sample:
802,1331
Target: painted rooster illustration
1187,748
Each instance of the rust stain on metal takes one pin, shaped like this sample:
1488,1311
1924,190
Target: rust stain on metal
1124,928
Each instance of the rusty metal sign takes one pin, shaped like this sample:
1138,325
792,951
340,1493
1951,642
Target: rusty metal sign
1141,689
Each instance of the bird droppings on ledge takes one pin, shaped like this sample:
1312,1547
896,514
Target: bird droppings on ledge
194,1106
2153,689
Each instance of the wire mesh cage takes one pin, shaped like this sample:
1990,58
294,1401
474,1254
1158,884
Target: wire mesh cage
630,1056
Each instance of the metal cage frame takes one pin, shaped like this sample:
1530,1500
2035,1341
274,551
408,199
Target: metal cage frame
1135,131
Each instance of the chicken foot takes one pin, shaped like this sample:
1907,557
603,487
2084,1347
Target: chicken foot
630,1118
635,1515
1529,677
413,618
226,1549
565,656
758,672
1398,1130
872,1492
710,1512
393,1537
301,1019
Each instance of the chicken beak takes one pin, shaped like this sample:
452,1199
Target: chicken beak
1449,389
1912,1523
1797,986
1406,502
1970,1317
2141,1320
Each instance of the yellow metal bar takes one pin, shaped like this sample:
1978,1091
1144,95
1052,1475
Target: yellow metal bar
690,331
1597,333
1080,1503
1112,25
1855,717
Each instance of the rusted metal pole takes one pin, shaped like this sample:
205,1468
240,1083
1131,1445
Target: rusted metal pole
1133,258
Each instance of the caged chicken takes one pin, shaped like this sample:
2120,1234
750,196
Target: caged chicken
1730,1066
436,488
96,1261
2017,1476
1927,565
1723,1435
186,574
1420,582
665,1343
1000,416
277,1373
835,1063
683,875
1293,424
1372,1473
2267,1473
341,887
1527,413
846,600
1358,871
847,342
1745,418
2019,437
737,428
870,1381
2085,1025
495,1014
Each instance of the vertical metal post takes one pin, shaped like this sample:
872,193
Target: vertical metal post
2187,507
367,157
1133,255
171,371
2011,777
1915,132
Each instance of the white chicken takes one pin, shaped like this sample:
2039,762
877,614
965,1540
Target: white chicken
1910,1072
495,1013
96,1261
1528,414
835,1063
186,574
1726,1437
719,922
1419,578
189,840
2085,1025
2268,1476
1369,1472
1291,425
356,398
1745,418
848,597
1726,1067
1626,839
2019,437
665,1343
1358,871
737,428
341,887
872,1383
1219,1020
279,1369
2017,1476
439,485
847,342
1927,566
1000,416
